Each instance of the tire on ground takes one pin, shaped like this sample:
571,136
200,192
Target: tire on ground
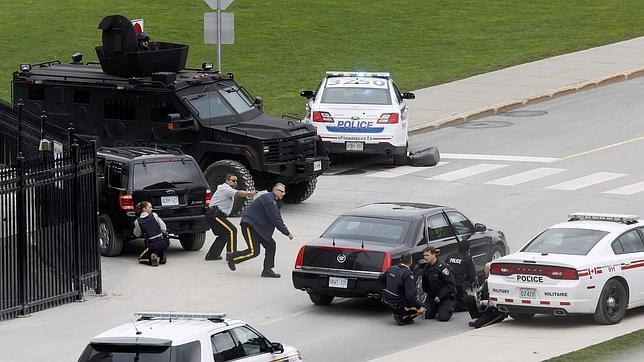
216,175
192,242
110,242
298,192
426,157
611,306
321,299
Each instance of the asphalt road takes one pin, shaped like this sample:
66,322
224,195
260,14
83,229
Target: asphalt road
559,152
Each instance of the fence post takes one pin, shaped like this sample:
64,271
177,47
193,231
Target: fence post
20,106
22,235
97,254
77,229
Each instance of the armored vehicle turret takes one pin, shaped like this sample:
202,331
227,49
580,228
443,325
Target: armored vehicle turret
148,98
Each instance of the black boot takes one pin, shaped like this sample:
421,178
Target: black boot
270,274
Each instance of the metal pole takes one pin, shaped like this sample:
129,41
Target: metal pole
23,296
20,106
76,220
219,35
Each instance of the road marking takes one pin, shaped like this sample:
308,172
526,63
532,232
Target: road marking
466,156
523,177
466,172
401,170
627,190
278,319
601,148
586,181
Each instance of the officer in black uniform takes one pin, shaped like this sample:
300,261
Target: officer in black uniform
400,292
438,283
482,313
464,271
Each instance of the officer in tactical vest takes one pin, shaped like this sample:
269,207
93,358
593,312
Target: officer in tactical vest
150,225
438,283
400,292
464,271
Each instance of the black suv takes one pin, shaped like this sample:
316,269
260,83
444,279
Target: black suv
149,99
169,179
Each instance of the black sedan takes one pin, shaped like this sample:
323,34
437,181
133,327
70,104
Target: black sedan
364,242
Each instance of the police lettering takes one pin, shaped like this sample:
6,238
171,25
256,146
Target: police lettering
355,124
555,294
530,278
505,291
455,260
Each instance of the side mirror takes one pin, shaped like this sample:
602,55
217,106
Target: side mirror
479,228
409,96
259,102
176,123
308,94
277,347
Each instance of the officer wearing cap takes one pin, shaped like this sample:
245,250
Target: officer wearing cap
143,39
438,283
400,292
464,271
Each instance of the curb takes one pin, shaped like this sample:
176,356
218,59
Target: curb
461,118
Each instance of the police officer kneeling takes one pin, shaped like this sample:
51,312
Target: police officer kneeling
400,292
438,283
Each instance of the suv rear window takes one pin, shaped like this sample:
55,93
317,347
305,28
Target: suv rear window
565,241
166,174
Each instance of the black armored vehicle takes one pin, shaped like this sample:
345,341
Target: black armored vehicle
148,98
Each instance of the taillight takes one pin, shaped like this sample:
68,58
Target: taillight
552,272
207,197
389,118
125,202
322,117
300,258
386,262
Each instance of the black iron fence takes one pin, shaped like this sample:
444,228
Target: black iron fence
48,206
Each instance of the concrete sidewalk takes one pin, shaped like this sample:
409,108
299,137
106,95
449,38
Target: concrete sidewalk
503,90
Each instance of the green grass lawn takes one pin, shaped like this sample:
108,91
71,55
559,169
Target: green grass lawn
617,349
284,46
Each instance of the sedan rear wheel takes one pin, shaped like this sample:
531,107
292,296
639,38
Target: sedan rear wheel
611,306
321,299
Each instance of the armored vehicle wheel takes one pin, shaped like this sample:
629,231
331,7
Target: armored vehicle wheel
296,193
110,243
192,242
216,174
611,306
321,299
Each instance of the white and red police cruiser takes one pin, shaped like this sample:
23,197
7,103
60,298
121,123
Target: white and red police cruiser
591,264
360,112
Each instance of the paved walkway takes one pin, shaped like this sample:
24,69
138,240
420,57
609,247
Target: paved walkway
501,91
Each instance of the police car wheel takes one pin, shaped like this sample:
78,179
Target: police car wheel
216,174
611,306
321,299
109,242
192,242
521,316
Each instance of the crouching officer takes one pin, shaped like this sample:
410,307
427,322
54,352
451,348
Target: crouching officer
464,271
482,313
438,283
400,292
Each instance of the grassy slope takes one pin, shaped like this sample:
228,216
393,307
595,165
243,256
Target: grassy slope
615,349
284,46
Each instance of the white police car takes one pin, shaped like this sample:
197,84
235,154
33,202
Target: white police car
185,337
360,112
591,264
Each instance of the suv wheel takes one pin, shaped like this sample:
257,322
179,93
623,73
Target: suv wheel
110,243
216,175
192,242
296,193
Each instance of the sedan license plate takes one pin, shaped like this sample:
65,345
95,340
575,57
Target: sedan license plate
335,282
169,200
317,166
528,293
355,146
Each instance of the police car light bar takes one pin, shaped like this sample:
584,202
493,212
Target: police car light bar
179,315
385,75
626,219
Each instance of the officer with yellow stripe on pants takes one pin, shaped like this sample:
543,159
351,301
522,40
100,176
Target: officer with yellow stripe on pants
221,204
258,225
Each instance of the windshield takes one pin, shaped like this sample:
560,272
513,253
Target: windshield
237,98
565,241
354,95
166,174
210,104
368,229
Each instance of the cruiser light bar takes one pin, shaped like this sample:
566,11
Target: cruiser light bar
179,315
626,219
385,75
